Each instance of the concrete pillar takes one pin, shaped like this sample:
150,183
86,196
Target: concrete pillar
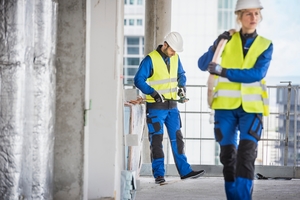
157,22
157,25
70,83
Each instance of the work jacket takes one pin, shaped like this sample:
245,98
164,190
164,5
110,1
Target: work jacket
230,95
163,81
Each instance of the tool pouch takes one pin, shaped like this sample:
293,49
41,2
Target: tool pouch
153,125
256,127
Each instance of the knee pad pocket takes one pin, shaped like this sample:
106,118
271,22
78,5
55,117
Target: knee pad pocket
156,146
179,141
228,159
228,155
247,153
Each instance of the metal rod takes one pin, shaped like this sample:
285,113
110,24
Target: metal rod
287,125
295,127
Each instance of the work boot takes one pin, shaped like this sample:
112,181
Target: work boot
193,174
159,180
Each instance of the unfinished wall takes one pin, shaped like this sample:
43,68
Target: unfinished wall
105,149
68,149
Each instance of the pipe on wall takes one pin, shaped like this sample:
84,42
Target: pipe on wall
44,98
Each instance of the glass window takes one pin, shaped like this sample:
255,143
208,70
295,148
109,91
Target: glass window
125,2
131,22
220,4
131,71
133,41
125,22
139,2
280,95
133,61
225,15
220,18
133,50
225,20
131,2
226,4
133,54
139,22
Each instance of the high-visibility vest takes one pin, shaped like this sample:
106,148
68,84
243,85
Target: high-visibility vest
162,81
230,95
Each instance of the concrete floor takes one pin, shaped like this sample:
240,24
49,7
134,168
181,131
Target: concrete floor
211,188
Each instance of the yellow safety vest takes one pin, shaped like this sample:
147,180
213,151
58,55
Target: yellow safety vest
162,81
230,95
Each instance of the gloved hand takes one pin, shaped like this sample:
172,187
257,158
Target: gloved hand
181,92
183,99
158,97
216,69
226,35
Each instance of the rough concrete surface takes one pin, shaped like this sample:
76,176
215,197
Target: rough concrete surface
211,188
70,76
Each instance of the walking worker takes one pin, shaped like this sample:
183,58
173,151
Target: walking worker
240,97
161,78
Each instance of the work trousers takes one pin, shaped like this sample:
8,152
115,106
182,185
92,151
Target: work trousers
156,119
238,133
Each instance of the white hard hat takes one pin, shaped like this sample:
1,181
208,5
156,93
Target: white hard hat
246,4
175,41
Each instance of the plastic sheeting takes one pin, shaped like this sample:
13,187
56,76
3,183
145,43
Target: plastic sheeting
27,98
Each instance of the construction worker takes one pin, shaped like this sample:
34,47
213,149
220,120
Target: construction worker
240,97
161,78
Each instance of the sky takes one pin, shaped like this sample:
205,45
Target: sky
281,24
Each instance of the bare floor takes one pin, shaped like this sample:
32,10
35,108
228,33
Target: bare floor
211,188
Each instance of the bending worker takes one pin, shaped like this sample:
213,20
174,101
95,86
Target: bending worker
240,97
158,77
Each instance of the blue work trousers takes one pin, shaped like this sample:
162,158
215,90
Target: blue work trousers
156,119
238,133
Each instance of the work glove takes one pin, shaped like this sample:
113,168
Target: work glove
183,99
216,69
226,35
181,92
158,97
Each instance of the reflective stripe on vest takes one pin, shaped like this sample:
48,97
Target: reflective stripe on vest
162,81
230,95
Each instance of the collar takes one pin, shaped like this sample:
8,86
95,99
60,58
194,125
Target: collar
158,49
248,35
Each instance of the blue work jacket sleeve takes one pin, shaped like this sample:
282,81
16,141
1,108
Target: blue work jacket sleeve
205,59
143,73
181,78
256,73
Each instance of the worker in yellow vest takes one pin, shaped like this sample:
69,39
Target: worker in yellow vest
162,79
240,97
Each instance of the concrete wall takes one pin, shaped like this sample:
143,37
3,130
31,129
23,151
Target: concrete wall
89,155
69,134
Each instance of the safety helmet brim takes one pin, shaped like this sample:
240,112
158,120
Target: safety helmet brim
175,41
247,4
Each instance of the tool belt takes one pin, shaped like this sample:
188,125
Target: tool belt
164,106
